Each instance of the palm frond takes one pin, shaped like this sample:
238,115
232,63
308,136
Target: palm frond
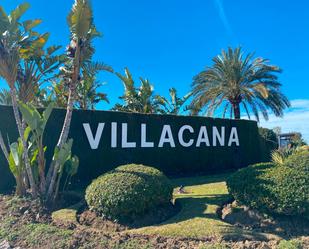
80,19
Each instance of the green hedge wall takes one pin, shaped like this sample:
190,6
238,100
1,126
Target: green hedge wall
172,161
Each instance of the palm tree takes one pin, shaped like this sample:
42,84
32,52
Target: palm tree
37,68
140,99
173,106
130,96
16,39
79,57
87,93
236,80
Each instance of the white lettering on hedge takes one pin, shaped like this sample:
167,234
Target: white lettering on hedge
169,139
202,137
233,137
124,138
94,141
180,136
114,135
218,136
144,143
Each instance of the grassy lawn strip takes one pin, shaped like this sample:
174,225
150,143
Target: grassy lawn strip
197,218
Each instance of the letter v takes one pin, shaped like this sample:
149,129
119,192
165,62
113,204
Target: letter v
94,141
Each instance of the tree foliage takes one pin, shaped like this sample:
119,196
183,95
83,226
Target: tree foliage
173,105
135,99
237,80
18,42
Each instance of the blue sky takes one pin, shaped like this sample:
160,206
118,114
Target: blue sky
170,41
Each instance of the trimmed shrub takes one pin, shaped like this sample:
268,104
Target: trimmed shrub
249,185
128,192
299,160
279,189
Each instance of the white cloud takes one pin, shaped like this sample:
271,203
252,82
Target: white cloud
222,15
295,119
300,103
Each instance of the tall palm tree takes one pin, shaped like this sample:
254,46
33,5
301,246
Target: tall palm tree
87,91
174,105
16,39
89,95
135,99
236,80
130,96
79,56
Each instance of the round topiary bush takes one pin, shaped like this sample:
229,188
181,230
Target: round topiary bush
279,189
128,192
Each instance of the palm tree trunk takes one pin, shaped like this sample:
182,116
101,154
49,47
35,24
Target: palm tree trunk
21,131
54,167
24,173
41,164
20,187
236,109
3,147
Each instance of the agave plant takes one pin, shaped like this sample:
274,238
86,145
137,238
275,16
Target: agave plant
238,81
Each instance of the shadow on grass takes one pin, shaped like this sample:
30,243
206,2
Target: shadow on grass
206,207
199,206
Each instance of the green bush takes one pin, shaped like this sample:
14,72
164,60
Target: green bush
279,189
128,192
290,244
299,160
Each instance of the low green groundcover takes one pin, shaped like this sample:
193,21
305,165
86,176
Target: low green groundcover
279,189
128,192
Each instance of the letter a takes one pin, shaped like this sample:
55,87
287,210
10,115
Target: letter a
169,139
202,137
233,137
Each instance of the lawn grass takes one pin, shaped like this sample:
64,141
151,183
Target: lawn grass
197,217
